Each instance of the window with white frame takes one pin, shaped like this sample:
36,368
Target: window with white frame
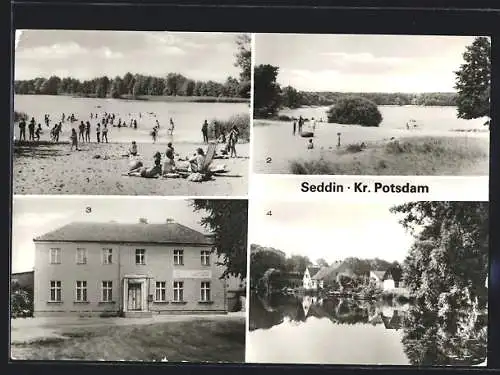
205,257
107,291
161,291
81,256
107,256
205,291
55,291
178,291
55,256
81,291
140,256
178,257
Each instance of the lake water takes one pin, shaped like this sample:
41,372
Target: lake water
187,116
288,329
396,117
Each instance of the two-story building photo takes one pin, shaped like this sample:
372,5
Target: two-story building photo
136,269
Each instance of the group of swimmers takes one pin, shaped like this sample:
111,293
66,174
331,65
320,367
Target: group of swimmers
300,123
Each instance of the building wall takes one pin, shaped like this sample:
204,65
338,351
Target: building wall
159,267
388,284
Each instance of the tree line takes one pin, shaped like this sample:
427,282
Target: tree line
135,85
293,267
472,98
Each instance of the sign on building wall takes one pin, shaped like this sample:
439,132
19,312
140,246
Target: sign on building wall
192,274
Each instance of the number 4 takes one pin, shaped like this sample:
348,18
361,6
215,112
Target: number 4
269,213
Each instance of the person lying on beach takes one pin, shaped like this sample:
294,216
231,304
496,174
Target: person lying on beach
145,172
133,149
197,161
310,144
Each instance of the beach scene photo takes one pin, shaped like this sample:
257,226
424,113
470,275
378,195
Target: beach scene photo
371,105
131,113
368,284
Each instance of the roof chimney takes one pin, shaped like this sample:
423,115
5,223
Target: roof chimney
143,220
170,220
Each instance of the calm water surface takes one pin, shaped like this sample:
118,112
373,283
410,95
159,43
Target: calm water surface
188,117
288,329
395,117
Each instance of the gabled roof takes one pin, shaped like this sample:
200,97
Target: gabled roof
166,233
326,272
380,274
313,270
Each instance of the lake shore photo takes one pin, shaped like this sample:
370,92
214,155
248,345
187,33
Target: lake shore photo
371,105
176,126
381,284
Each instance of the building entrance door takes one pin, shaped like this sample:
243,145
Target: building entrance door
134,297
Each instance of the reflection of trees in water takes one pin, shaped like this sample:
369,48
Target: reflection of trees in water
456,338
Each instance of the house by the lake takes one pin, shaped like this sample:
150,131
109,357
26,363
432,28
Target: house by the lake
316,277
390,280
138,269
309,280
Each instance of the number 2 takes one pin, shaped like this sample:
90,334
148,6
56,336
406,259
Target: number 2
269,160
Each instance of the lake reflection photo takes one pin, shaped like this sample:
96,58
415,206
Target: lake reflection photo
321,295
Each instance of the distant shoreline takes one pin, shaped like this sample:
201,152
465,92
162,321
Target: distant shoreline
158,98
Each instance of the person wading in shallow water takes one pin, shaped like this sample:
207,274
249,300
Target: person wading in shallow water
74,139
204,131
105,133
98,132
87,132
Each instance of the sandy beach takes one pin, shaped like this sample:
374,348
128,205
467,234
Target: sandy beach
275,147
97,170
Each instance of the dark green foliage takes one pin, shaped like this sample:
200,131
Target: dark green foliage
21,301
227,219
451,250
290,97
242,122
266,91
355,110
18,116
244,61
473,80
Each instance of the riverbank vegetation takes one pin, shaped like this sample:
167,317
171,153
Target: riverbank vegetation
424,155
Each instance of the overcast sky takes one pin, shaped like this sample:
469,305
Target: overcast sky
34,216
89,54
332,231
363,63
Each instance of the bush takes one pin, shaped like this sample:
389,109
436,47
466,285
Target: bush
18,116
241,121
355,110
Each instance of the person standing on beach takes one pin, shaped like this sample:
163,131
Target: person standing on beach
22,130
105,133
301,122
81,131
204,130
31,129
98,132
135,124
74,139
87,132
294,126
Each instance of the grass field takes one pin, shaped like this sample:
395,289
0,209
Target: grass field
423,155
202,340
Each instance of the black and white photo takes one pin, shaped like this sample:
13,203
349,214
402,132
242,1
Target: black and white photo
131,113
371,105
368,283
128,279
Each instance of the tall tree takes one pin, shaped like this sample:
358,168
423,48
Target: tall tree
450,252
244,62
228,220
473,80
266,90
